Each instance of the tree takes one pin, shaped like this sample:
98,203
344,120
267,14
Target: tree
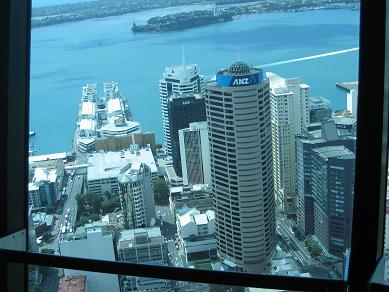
110,205
80,198
161,192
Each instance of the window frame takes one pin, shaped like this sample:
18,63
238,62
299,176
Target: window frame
370,176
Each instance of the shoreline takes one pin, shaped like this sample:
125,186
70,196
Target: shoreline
264,7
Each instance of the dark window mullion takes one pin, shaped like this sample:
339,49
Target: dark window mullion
371,152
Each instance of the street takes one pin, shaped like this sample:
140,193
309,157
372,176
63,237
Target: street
167,221
291,244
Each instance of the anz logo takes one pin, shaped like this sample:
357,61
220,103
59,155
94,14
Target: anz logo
245,81
241,81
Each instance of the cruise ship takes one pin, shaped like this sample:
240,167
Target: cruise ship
102,116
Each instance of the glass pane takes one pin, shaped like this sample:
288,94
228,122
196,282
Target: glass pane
48,279
194,134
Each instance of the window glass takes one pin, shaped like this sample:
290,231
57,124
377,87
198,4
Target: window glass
195,134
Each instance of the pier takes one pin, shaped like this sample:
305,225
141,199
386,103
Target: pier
348,86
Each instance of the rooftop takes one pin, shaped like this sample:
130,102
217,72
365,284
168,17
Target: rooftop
334,151
45,174
88,108
128,238
54,156
127,126
114,105
74,283
110,164
87,124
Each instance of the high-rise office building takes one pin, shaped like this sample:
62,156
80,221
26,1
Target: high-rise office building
333,192
239,125
289,115
194,152
326,135
177,80
183,110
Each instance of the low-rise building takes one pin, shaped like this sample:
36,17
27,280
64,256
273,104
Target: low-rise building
193,196
145,246
104,168
96,244
43,188
196,231
171,177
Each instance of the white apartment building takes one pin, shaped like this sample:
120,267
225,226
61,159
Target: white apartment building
289,116
104,168
177,80
197,234
194,151
239,131
137,190
43,188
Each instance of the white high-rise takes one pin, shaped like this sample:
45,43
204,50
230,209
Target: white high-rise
289,115
352,102
239,131
177,80
194,150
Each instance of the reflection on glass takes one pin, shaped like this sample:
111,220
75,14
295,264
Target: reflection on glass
211,136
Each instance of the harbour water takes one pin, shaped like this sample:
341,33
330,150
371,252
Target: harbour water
67,56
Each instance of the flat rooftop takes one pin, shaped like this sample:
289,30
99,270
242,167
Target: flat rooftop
87,124
114,105
128,237
54,156
88,108
74,283
109,164
128,126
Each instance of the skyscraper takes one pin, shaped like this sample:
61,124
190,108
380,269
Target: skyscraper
289,115
177,80
183,110
327,135
239,125
333,192
194,150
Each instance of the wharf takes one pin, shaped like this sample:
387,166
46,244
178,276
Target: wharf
348,85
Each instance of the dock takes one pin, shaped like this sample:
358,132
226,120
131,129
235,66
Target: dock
348,85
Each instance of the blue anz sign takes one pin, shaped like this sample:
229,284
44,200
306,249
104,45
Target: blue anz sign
236,81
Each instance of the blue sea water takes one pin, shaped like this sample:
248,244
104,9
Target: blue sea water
67,56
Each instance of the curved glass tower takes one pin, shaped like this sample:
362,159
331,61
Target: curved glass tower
239,125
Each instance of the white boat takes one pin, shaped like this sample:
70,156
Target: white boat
31,133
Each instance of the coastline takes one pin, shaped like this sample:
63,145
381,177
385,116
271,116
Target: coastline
260,7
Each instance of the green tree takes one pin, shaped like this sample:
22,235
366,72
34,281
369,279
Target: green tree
109,206
80,198
161,192
93,203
